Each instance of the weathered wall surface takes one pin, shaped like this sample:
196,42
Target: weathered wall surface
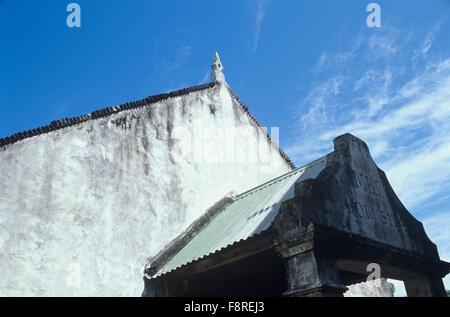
355,219
376,288
353,195
81,208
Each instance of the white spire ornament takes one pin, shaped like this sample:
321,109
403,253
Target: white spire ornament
217,68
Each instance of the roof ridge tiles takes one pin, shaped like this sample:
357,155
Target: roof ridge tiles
100,113
104,112
247,111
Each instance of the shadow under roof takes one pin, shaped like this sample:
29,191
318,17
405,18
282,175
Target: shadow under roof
250,214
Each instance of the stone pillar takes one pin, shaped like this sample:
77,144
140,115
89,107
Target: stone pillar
425,287
311,272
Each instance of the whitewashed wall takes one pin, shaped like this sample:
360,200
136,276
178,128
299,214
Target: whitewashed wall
82,208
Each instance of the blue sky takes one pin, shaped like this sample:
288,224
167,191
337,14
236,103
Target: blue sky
312,68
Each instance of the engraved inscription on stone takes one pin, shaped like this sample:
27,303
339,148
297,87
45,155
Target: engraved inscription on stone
367,187
368,184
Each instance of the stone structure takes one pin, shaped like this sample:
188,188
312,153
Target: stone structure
372,288
217,69
311,232
85,200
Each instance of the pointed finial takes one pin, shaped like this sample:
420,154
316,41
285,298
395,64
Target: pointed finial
216,74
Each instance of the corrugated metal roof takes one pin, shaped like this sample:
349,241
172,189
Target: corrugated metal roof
250,214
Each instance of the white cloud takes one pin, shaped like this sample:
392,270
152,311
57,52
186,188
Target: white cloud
406,124
180,44
427,43
182,54
206,77
336,58
261,9
400,107
385,45
410,139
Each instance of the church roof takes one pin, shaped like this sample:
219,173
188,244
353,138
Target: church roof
247,215
67,122
105,112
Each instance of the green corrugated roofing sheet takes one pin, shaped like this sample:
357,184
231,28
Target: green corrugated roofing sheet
250,214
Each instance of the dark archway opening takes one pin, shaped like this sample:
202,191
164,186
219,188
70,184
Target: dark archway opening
260,275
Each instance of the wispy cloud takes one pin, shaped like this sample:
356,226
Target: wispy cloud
328,60
429,39
206,77
404,117
180,44
181,55
261,9
394,93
